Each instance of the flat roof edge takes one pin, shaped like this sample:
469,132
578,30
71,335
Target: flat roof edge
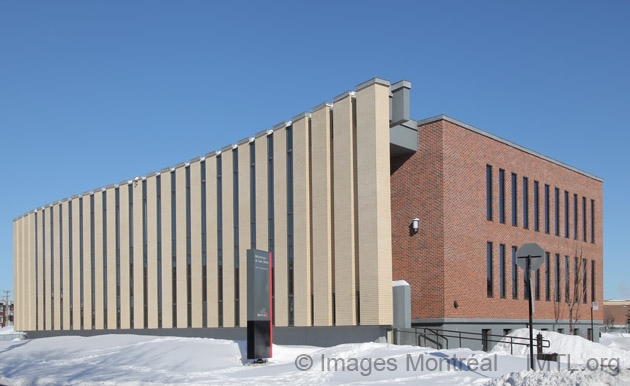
506,142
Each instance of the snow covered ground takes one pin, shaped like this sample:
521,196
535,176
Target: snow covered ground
139,359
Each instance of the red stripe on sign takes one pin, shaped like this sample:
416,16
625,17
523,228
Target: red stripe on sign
270,307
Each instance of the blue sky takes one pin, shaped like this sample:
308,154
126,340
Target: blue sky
92,93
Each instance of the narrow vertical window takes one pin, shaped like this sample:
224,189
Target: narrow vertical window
145,246
592,280
584,281
270,205
70,257
558,277
514,201
547,269
52,270
584,218
489,192
567,276
502,196
158,191
575,217
537,284
290,251
81,291
93,255
525,203
235,203
117,257
489,268
557,211
566,214
502,268
131,232
592,221
514,275
104,199
220,238
174,246
188,251
546,208
536,208
204,255
252,194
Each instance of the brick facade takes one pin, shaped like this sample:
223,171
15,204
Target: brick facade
444,185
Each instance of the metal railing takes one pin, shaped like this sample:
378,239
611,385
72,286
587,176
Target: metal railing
433,335
5,337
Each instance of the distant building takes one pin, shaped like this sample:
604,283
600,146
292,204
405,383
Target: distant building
348,197
6,313
617,314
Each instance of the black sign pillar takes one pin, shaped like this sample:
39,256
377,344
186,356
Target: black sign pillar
259,311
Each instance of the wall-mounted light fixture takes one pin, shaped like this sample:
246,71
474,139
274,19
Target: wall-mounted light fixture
415,223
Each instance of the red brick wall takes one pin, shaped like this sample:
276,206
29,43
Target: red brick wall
444,184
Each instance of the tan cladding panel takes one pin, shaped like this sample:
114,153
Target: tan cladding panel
374,206
344,212
47,270
227,227
301,222
22,261
152,252
212,279
16,272
40,268
281,306
124,231
167,250
33,273
138,256
29,273
262,192
87,263
56,271
180,224
195,245
111,258
244,225
65,253
76,264
322,225
99,285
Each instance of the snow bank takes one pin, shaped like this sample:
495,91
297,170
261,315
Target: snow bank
561,378
7,330
573,349
616,340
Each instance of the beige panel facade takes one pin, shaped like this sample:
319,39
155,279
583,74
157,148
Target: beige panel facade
124,220
17,244
195,246
280,258
76,264
99,285
374,205
322,216
48,269
65,253
244,226
344,212
40,268
262,192
302,221
111,306
152,252
87,264
227,227
138,255
182,287
31,323
167,249
55,211
211,243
